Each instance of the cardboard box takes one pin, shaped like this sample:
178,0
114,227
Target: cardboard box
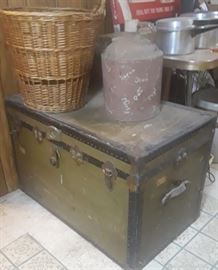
143,10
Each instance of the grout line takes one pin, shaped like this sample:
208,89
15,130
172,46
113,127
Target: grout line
157,262
209,236
208,213
205,225
198,257
214,267
65,268
183,248
47,251
173,255
37,242
8,259
13,241
30,258
26,234
198,233
33,239
43,249
216,264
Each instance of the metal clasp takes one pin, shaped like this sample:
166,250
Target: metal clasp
110,174
55,158
54,134
76,154
38,134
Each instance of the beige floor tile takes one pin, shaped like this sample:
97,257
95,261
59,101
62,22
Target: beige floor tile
95,260
29,211
59,239
14,216
42,261
21,249
167,254
5,264
204,247
10,233
209,204
53,234
212,229
153,266
212,188
201,221
186,261
185,237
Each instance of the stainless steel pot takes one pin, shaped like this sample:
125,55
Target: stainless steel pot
176,36
210,38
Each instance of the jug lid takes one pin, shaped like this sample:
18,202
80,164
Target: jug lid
131,46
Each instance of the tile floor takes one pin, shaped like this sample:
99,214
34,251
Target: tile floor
31,238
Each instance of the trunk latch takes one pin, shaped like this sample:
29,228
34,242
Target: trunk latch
110,174
54,134
55,158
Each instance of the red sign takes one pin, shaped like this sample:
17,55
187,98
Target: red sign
143,10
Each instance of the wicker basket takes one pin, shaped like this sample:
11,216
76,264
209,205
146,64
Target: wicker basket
53,51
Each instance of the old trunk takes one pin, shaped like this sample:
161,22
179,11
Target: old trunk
128,188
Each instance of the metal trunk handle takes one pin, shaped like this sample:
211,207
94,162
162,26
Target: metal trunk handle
175,192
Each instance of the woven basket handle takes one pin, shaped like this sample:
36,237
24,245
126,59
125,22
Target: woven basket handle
100,7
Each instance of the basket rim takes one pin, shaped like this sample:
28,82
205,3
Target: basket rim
47,11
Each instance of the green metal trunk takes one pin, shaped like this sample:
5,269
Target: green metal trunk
129,188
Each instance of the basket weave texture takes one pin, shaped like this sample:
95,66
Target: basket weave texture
52,51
